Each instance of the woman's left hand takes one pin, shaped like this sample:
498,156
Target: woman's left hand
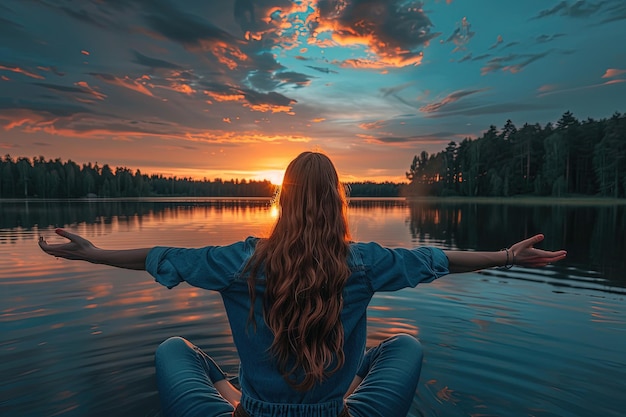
525,254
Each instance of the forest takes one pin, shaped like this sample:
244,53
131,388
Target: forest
570,158
21,178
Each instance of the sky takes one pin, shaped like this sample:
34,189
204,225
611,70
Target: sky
236,89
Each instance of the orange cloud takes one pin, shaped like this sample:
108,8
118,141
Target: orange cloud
182,88
126,82
22,71
90,90
266,107
355,28
360,63
226,54
224,96
372,125
87,127
23,118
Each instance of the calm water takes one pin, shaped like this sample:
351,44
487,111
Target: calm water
78,339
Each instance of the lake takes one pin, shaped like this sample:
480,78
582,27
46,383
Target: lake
78,339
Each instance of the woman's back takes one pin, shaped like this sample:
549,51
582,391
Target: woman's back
373,268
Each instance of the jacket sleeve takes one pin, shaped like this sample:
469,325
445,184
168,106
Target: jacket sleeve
391,269
211,267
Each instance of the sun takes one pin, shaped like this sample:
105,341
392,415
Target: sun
275,176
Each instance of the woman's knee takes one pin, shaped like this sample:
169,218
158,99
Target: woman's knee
407,343
406,347
172,347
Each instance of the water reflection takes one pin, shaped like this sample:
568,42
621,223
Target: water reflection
591,234
78,339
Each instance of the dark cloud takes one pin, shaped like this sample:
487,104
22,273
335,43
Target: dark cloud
447,101
52,108
87,12
510,44
559,8
271,98
154,63
479,57
261,17
62,88
615,12
499,40
292,77
397,139
262,80
461,35
187,29
87,17
5,9
245,14
260,71
395,30
473,109
323,69
575,9
266,61
9,28
512,62
548,38
393,92
430,138
582,9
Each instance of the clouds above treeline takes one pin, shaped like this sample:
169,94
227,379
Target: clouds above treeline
213,83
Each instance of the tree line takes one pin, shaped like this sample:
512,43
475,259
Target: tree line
40,178
58,179
570,158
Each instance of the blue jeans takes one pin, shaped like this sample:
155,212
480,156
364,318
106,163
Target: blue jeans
390,372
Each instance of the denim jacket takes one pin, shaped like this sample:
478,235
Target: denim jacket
264,391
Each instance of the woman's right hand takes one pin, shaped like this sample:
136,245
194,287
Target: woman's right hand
78,248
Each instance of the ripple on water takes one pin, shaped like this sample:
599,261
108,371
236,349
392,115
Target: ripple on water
79,339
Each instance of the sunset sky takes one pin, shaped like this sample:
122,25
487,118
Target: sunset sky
235,89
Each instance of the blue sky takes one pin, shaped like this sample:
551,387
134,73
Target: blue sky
235,89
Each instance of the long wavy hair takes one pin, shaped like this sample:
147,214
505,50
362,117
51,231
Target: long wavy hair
304,262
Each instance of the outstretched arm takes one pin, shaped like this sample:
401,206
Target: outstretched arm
522,253
79,248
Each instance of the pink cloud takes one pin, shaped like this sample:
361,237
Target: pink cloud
613,72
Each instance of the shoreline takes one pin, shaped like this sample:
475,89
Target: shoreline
519,200
525,200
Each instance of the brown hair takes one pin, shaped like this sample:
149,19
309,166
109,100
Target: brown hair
304,261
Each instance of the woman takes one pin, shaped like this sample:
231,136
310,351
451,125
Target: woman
296,303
